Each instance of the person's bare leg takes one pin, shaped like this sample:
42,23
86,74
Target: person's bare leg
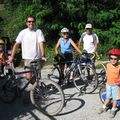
104,107
29,76
114,108
107,102
114,104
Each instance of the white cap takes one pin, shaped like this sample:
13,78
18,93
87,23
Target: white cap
88,26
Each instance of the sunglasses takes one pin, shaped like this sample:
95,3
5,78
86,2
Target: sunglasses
113,58
30,21
65,33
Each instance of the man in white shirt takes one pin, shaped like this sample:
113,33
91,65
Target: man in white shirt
32,44
89,39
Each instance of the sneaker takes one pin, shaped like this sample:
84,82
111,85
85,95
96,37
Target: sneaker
101,110
112,113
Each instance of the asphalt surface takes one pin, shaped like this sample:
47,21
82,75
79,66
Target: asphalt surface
77,107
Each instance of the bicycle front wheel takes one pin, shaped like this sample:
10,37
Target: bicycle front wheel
86,80
48,97
55,75
102,94
101,73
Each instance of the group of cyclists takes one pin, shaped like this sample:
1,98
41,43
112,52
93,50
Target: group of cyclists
88,38
32,42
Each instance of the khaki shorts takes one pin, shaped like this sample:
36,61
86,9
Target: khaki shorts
27,63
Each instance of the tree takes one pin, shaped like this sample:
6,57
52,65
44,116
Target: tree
53,15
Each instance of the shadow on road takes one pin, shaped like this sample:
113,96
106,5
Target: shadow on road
72,104
19,110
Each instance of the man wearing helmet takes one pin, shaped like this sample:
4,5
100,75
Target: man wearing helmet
112,84
3,56
66,45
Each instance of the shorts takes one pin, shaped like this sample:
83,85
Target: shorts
112,91
27,63
67,57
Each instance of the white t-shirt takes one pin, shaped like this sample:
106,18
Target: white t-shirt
89,42
30,43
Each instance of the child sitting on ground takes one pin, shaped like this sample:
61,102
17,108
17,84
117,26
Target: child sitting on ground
3,57
112,88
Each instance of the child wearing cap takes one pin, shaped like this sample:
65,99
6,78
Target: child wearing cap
112,88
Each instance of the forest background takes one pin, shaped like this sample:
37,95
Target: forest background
53,15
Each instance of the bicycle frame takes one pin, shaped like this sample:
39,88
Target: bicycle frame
31,69
75,64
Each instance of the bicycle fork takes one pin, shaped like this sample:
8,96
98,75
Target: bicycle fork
81,73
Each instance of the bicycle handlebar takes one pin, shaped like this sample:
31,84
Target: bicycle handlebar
93,55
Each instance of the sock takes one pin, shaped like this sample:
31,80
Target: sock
104,106
114,109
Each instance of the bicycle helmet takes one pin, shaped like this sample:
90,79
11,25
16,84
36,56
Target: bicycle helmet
1,42
114,52
65,30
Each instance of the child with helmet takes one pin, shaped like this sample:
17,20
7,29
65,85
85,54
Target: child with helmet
3,57
7,45
112,87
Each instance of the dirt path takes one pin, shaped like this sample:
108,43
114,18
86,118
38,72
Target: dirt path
77,107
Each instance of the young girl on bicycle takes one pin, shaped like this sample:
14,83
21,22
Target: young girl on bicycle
112,88
3,57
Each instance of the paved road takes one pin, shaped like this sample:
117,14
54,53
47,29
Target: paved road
78,107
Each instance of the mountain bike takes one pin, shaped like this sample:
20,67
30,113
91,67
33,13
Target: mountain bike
45,95
83,75
99,67
101,72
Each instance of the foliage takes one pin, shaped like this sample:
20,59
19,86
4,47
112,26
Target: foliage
53,15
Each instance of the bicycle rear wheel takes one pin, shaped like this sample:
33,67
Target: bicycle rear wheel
102,94
101,73
48,97
55,75
9,92
86,81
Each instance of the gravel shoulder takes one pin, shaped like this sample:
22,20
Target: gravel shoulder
77,107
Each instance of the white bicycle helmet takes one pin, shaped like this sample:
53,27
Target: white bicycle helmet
64,30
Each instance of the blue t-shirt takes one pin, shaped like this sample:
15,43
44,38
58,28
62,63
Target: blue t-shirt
66,47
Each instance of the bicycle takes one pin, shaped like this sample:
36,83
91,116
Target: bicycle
84,77
101,72
99,67
45,95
